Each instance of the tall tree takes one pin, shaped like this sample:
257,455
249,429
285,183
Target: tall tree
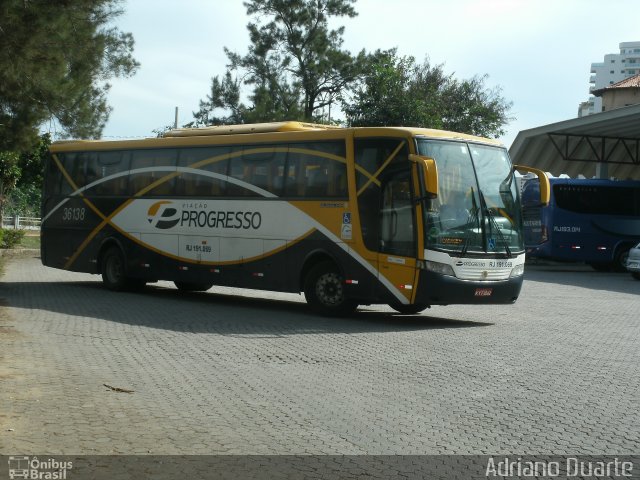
295,63
9,175
55,60
397,90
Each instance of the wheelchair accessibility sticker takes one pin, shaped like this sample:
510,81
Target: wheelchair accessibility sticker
346,232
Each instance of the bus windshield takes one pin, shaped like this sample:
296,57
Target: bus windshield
477,209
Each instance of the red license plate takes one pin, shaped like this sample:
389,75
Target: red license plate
483,292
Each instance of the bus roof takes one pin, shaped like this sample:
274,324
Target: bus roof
272,127
189,136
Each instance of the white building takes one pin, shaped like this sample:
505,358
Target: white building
614,68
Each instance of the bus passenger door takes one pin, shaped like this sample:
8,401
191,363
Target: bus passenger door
398,252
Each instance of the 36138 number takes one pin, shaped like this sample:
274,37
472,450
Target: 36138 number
73,214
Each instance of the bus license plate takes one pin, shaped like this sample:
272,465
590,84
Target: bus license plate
483,292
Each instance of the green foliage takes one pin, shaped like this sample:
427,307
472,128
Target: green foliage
398,91
24,201
10,238
295,64
225,96
9,175
9,171
21,180
32,163
55,59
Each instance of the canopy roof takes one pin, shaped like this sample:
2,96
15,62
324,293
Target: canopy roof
576,146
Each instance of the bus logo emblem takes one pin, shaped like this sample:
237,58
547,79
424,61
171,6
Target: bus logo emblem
162,216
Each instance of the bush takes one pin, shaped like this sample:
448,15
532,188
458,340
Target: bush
9,238
23,201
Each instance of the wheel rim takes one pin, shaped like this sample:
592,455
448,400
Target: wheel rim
329,290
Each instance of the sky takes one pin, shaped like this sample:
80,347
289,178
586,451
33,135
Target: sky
539,52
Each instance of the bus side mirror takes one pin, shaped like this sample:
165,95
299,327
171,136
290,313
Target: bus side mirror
545,186
429,171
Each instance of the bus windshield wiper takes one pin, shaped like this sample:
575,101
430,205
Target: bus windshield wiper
494,223
473,220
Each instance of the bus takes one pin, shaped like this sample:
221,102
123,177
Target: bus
594,221
407,217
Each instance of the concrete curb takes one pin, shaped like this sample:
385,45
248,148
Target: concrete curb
19,252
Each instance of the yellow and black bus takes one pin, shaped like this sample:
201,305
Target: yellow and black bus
350,216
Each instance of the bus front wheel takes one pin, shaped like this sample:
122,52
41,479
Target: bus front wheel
114,272
325,293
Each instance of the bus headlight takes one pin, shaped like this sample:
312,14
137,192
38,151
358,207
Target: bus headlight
517,271
437,267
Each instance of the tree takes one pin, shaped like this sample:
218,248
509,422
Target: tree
398,91
21,179
295,64
9,175
55,60
32,163
225,96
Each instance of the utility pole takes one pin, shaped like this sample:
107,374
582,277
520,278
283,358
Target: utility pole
175,122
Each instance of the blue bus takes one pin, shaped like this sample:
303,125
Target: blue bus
586,220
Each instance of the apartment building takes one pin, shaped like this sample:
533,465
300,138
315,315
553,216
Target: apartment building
615,68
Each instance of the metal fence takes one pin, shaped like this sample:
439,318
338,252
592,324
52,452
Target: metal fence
23,223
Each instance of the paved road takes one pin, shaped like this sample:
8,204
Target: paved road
558,372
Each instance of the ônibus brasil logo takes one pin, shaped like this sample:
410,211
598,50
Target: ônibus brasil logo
165,214
162,215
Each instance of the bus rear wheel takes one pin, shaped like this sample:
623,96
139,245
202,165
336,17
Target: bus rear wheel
325,293
114,272
410,309
193,286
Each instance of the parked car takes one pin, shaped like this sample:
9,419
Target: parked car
633,262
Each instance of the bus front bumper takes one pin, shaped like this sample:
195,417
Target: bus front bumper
438,289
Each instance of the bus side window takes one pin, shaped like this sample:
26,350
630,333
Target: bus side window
207,161
91,169
74,164
265,170
158,165
239,171
311,175
105,164
114,163
53,177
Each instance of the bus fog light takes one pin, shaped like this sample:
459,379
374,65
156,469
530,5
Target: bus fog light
437,267
517,271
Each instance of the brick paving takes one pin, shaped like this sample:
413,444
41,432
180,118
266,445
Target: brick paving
256,373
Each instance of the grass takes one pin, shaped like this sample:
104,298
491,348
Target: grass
31,240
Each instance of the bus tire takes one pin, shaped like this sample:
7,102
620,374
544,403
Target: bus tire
114,270
325,293
620,261
193,286
410,309
636,275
